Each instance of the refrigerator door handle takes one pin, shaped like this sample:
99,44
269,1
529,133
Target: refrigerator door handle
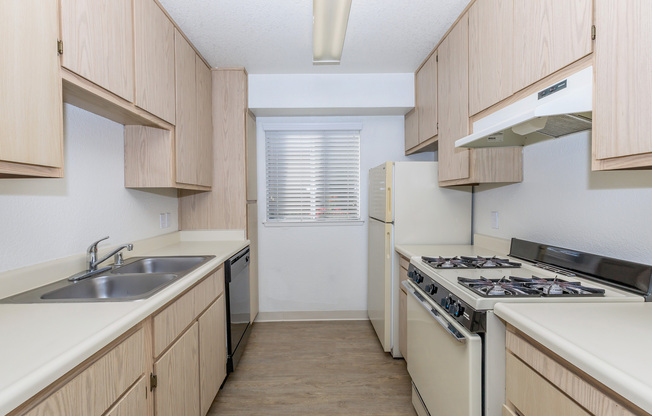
389,204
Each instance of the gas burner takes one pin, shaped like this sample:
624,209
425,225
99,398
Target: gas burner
490,262
520,286
444,262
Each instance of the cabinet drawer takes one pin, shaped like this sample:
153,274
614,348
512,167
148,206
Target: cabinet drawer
172,320
404,262
96,388
533,395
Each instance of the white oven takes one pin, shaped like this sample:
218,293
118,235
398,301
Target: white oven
445,360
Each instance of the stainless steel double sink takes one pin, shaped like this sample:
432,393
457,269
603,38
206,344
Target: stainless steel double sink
138,278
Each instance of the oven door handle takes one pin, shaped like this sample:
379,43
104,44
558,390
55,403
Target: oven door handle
452,331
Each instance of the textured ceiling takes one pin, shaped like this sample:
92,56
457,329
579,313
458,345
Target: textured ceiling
275,36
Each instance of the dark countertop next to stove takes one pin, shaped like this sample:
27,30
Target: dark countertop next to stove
610,342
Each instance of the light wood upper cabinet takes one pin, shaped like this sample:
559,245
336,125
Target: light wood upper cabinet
426,99
548,35
99,44
411,129
453,90
154,51
622,105
458,166
251,158
212,348
177,372
31,123
204,163
490,53
186,129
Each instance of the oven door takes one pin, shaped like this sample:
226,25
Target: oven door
445,359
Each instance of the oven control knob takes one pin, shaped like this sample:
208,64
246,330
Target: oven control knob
458,310
418,278
449,302
431,289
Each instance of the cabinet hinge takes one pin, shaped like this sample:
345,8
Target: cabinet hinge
436,58
60,47
593,32
153,381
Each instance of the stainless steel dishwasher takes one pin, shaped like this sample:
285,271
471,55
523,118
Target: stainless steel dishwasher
238,312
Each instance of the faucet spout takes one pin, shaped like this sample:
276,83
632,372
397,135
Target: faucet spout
93,262
93,266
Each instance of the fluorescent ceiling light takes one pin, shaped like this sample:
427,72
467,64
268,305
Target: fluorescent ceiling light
329,21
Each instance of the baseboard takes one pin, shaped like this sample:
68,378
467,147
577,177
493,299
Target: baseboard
312,316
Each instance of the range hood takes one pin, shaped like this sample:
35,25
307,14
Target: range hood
558,110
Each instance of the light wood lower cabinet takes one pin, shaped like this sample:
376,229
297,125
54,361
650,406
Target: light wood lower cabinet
31,123
402,307
212,352
538,383
177,372
94,390
134,402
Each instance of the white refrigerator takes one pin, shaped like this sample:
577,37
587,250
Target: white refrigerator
407,206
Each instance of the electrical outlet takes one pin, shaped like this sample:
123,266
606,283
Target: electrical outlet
162,220
494,220
167,219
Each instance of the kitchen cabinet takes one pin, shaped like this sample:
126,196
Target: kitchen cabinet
404,263
549,35
154,60
179,157
191,363
490,53
31,123
426,99
541,383
458,166
622,80
101,383
99,44
177,373
411,130
252,236
212,348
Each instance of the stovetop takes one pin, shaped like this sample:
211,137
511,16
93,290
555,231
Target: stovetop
469,262
513,286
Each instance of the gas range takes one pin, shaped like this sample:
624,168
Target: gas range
472,282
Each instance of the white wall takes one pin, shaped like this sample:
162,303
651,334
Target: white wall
323,268
45,219
561,202
332,94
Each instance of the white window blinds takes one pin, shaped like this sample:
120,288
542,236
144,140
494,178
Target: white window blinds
313,176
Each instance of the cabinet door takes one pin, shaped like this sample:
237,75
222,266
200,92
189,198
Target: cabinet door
204,163
426,98
177,371
622,82
154,47
548,35
411,130
402,323
453,89
98,43
251,158
186,125
212,357
490,53
134,402
252,236
31,126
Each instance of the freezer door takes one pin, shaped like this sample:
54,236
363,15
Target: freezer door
381,180
379,282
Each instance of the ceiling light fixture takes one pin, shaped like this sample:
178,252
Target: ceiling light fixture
329,21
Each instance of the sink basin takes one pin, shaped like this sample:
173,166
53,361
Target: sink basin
122,287
161,265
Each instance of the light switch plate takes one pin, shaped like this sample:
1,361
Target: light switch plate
494,220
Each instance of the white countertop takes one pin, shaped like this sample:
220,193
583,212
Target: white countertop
611,342
42,342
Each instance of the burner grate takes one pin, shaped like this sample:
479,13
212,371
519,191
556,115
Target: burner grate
513,286
465,262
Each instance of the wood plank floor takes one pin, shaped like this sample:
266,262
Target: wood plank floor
315,368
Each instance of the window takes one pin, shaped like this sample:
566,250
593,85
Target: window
313,176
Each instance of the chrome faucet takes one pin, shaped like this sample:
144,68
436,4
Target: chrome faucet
93,262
